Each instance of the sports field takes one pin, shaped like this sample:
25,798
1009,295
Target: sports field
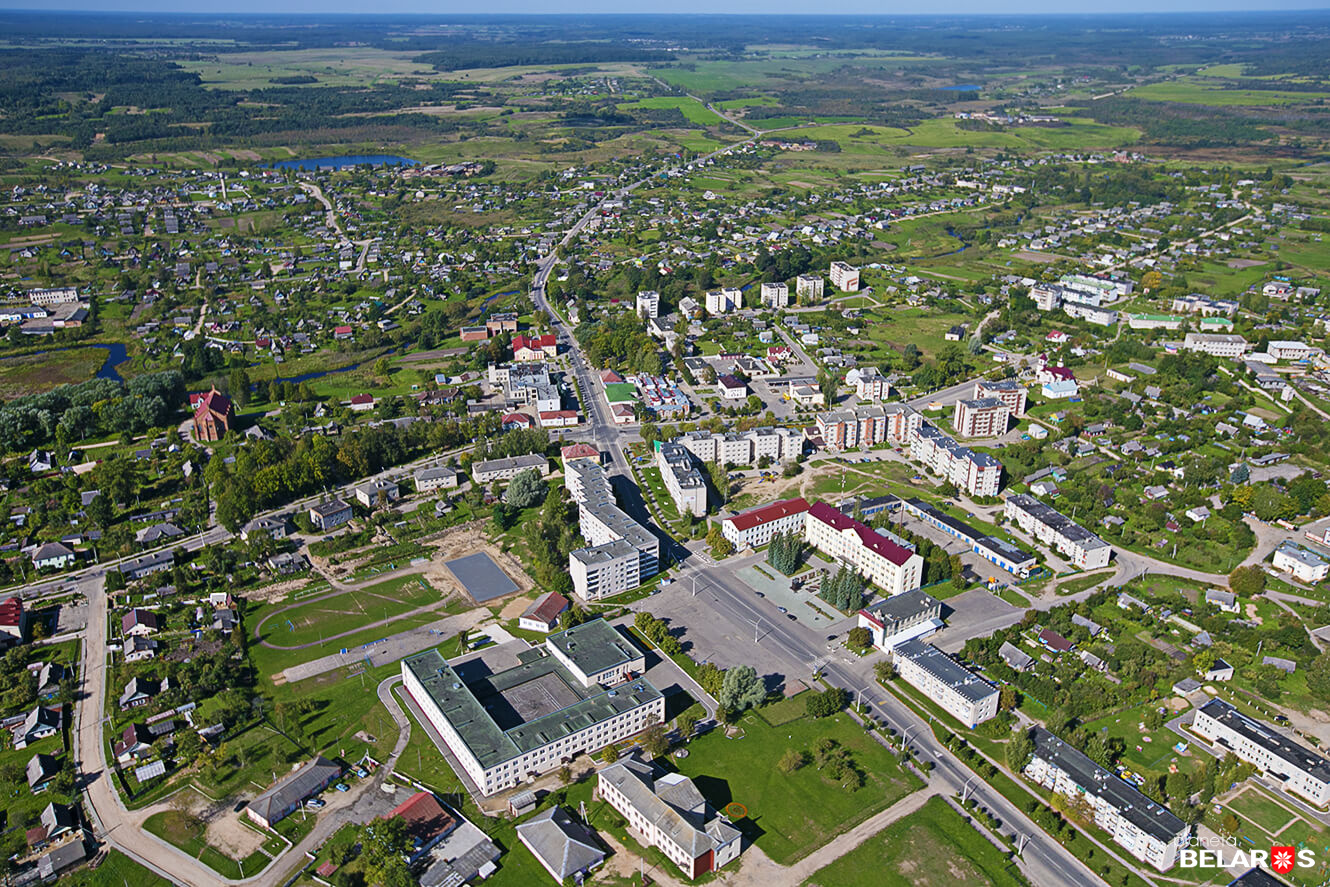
347,612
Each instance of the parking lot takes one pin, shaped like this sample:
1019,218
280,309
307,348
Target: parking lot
804,606
974,614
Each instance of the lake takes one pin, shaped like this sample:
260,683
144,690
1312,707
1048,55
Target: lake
344,161
962,87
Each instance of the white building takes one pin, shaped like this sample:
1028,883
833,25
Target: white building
428,480
755,527
723,301
744,447
509,468
978,474
889,566
648,304
870,384
1305,565
584,699
868,426
1009,391
1297,768
961,693
909,616
1216,344
620,553
1083,548
53,296
1145,828
845,276
671,814
371,493
687,487
1283,349
809,287
775,295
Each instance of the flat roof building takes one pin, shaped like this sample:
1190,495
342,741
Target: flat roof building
914,614
1083,548
962,693
621,554
1297,768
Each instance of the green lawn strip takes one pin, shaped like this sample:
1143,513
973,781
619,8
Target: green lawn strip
115,870
777,714
1081,583
184,832
1267,813
932,846
791,815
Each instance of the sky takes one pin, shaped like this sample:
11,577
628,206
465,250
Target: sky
867,7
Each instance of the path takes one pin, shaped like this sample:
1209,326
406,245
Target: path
758,870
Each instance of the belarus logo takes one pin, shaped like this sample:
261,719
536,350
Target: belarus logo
1282,859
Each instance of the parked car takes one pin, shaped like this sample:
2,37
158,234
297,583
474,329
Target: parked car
342,787
315,804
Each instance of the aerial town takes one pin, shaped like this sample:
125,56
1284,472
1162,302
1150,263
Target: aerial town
479,501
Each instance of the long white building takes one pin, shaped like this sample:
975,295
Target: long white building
889,566
578,692
1144,828
961,693
868,426
1296,768
1083,548
756,527
620,554
978,474
744,447
687,487
1215,344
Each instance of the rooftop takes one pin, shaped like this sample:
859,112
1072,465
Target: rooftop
1278,745
946,670
755,517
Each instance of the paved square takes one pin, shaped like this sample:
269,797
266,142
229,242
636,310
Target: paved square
807,608
974,614
481,577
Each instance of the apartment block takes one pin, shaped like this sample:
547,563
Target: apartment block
981,417
1083,548
809,287
775,295
1295,767
962,693
978,474
723,301
845,277
687,487
1216,344
891,567
648,304
1009,391
868,426
744,447
621,554
1144,828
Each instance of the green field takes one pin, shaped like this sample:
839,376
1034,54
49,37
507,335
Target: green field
321,620
34,373
1264,811
695,111
116,870
792,815
933,847
182,830
1201,92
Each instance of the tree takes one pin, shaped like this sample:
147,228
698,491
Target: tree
611,754
1247,581
859,637
884,671
526,489
687,723
1318,677
826,703
792,760
720,546
1019,751
238,386
565,775
711,678
655,740
1008,697
742,688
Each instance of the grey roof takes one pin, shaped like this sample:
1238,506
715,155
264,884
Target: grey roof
1220,598
946,670
1056,520
61,858
1088,624
672,803
1280,746
327,509
1280,663
594,646
1149,816
902,607
564,845
1015,657
293,788
490,743
41,768
532,460
139,686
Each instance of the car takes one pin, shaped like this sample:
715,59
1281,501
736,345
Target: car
342,787
315,804
782,609
361,772
831,637
760,594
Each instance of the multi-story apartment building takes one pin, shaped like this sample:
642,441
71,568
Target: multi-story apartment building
723,301
1297,768
870,384
889,566
744,447
620,554
775,295
575,694
1216,344
981,417
1144,828
845,276
508,468
1195,304
868,426
809,287
978,474
648,304
1009,391
687,487
755,527
1083,548
961,693
671,814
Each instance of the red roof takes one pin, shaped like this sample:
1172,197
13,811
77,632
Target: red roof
557,414
579,451
425,817
362,398
610,376
1054,641
548,608
869,537
518,419
756,517
342,331
11,611
213,401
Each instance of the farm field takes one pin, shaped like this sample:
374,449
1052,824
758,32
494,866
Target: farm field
691,108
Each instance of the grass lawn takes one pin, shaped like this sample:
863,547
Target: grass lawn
116,870
1268,814
789,816
184,831
1147,752
695,111
1080,583
934,846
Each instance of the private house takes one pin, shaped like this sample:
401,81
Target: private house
40,771
329,515
53,556
427,823
377,492
543,614
41,722
564,847
138,649
138,623
139,691
276,526
12,621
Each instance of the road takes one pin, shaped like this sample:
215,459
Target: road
801,648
